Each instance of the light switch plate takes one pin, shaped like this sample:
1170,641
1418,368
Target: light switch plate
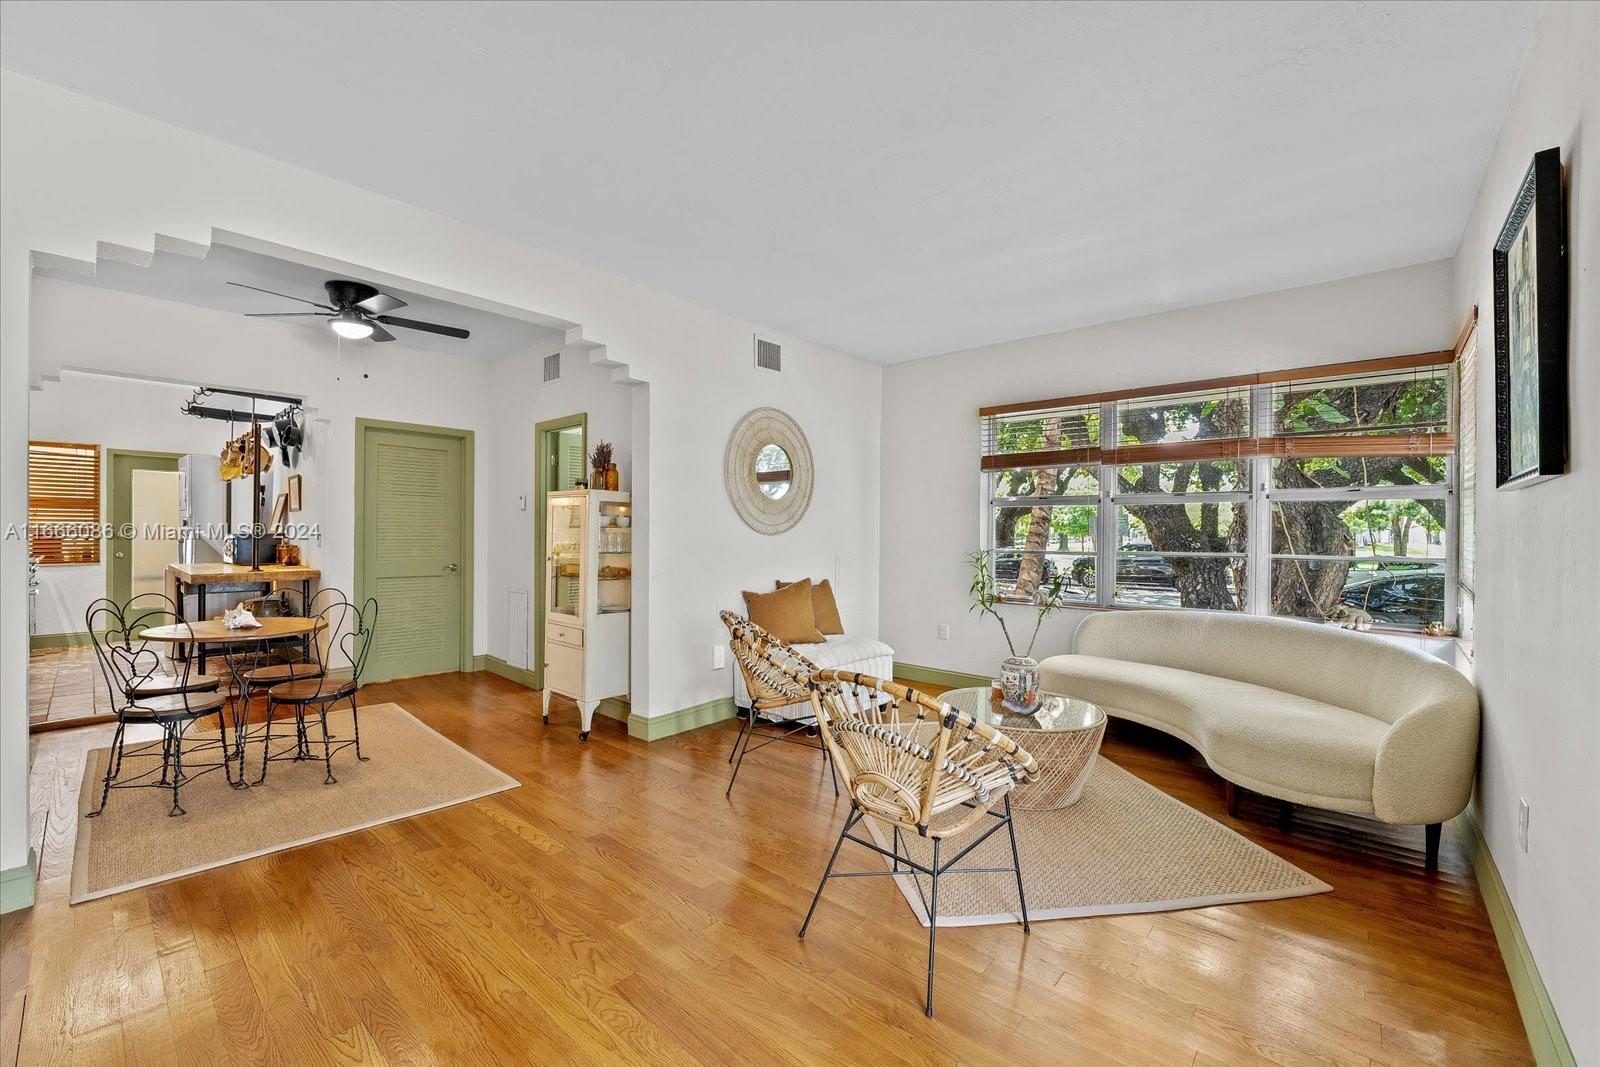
719,656
1522,824
944,631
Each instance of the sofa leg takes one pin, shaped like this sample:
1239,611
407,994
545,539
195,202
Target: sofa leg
1430,834
1285,816
1230,793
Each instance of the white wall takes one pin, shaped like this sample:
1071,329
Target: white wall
932,500
76,171
1538,582
518,399
111,413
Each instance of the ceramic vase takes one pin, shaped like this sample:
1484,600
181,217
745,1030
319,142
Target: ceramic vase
1019,678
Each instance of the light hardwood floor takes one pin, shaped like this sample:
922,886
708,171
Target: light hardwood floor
617,908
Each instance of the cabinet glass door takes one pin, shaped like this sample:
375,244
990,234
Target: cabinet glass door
565,538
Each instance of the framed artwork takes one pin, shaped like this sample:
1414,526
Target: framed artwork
294,492
1530,330
280,513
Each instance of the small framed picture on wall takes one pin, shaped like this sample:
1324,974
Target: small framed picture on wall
1530,330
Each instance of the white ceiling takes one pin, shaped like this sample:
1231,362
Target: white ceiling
203,282
889,179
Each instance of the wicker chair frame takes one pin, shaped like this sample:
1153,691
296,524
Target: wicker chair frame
919,765
776,676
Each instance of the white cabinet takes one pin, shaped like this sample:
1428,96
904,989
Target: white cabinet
588,597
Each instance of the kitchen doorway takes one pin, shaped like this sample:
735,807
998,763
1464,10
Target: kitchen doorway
142,499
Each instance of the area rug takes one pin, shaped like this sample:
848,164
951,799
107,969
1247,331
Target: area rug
1125,848
411,769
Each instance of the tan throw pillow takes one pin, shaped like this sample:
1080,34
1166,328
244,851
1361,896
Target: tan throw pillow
823,605
786,614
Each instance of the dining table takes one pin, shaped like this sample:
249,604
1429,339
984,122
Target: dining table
248,647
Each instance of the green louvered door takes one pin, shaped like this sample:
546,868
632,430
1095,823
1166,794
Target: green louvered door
412,537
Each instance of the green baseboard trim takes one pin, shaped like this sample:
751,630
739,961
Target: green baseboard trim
76,640
611,708
682,720
16,885
1545,1035
913,672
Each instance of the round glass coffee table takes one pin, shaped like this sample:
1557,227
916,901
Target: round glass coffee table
1063,735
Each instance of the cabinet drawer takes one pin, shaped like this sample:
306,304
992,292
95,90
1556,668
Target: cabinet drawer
566,635
563,669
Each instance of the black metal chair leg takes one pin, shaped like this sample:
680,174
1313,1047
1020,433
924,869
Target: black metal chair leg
166,757
827,759
266,742
327,751
356,718
743,751
177,771
113,761
743,725
1016,865
933,926
850,820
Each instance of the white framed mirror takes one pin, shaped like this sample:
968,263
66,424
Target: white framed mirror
768,471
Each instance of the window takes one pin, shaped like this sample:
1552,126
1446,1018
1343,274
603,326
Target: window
63,502
1320,494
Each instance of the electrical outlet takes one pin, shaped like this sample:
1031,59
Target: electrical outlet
944,631
719,656
1522,824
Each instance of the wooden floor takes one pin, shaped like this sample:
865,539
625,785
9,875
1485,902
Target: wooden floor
617,909
63,684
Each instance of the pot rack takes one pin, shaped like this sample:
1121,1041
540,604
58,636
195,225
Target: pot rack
200,410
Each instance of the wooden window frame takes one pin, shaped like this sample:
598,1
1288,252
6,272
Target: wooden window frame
1255,451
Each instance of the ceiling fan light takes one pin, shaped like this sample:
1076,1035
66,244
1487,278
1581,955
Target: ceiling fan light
350,326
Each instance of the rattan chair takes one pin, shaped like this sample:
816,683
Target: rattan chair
148,688
917,765
771,670
349,635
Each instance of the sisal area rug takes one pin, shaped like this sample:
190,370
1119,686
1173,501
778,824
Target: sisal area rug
1126,847
411,769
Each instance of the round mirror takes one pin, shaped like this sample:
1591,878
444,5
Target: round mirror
768,471
773,473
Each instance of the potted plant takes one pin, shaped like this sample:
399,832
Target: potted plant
1019,674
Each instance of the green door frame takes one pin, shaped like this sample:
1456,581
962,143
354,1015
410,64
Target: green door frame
543,471
119,510
467,584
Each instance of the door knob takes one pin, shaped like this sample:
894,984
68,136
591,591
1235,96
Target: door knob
117,555
452,566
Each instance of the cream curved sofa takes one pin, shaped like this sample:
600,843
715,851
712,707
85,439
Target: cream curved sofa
1305,713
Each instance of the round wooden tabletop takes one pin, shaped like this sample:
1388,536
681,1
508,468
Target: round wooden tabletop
215,631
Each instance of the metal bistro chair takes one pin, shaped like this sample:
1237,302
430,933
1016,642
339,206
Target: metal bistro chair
769,667
293,603
349,634
148,688
917,765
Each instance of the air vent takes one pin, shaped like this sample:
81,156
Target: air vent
552,366
769,355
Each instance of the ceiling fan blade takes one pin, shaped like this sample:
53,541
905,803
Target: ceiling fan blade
287,314
380,304
380,334
286,296
429,327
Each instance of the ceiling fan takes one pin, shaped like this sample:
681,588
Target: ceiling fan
356,311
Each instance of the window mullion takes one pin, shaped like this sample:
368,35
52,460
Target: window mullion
1105,547
1258,544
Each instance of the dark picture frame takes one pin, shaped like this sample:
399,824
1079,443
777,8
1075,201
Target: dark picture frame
1530,330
